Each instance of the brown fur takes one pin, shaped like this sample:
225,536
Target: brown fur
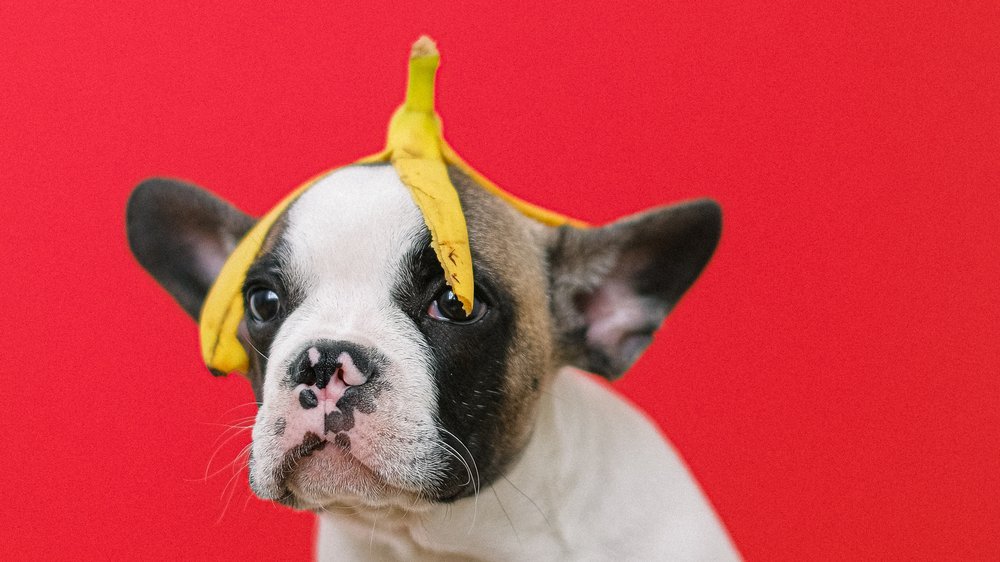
509,244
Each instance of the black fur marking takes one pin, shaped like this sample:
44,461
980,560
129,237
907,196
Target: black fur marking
310,444
307,399
469,364
361,398
364,402
279,427
343,441
268,270
338,420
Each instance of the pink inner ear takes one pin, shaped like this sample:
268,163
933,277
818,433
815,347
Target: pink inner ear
211,250
209,261
613,312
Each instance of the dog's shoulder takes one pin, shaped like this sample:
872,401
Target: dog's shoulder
630,493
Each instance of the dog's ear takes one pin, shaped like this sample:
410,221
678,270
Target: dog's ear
612,286
182,235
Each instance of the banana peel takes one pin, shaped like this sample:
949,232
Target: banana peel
417,151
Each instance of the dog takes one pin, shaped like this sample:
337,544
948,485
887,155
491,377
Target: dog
417,431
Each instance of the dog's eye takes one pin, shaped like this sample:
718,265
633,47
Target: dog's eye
448,308
264,304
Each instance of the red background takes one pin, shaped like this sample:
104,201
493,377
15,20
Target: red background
832,379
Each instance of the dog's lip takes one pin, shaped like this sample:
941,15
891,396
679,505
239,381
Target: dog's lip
391,495
313,443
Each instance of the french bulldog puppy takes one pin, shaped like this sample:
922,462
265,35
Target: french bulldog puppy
417,432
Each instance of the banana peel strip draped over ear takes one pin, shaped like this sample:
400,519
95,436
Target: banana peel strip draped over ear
416,149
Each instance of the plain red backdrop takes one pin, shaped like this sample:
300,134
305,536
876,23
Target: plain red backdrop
832,380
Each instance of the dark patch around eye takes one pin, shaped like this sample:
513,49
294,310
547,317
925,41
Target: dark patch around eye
469,363
423,280
268,270
421,277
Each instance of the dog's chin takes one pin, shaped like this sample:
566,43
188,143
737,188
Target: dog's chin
323,477
321,474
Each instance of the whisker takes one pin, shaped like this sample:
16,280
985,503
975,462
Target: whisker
246,502
471,458
257,350
245,450
231,424
371,538
507,515
477,481
230,428
353,509
231,483
455,455
242,419
243,405
540,512
208,466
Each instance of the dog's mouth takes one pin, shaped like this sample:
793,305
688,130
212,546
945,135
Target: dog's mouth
294,457
308,482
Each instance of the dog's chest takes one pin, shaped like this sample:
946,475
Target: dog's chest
596,482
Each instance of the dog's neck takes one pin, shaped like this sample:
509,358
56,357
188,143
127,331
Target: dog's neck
567,496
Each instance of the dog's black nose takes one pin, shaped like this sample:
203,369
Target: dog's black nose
323,361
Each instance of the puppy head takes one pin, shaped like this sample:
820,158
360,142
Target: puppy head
374,386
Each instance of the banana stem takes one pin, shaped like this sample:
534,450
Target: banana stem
424,60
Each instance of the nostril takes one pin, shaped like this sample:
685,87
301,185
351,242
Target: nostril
349,372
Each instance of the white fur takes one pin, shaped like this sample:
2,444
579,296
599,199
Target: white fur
596,482
346,236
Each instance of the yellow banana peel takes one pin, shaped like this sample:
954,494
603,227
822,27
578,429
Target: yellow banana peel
416,149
